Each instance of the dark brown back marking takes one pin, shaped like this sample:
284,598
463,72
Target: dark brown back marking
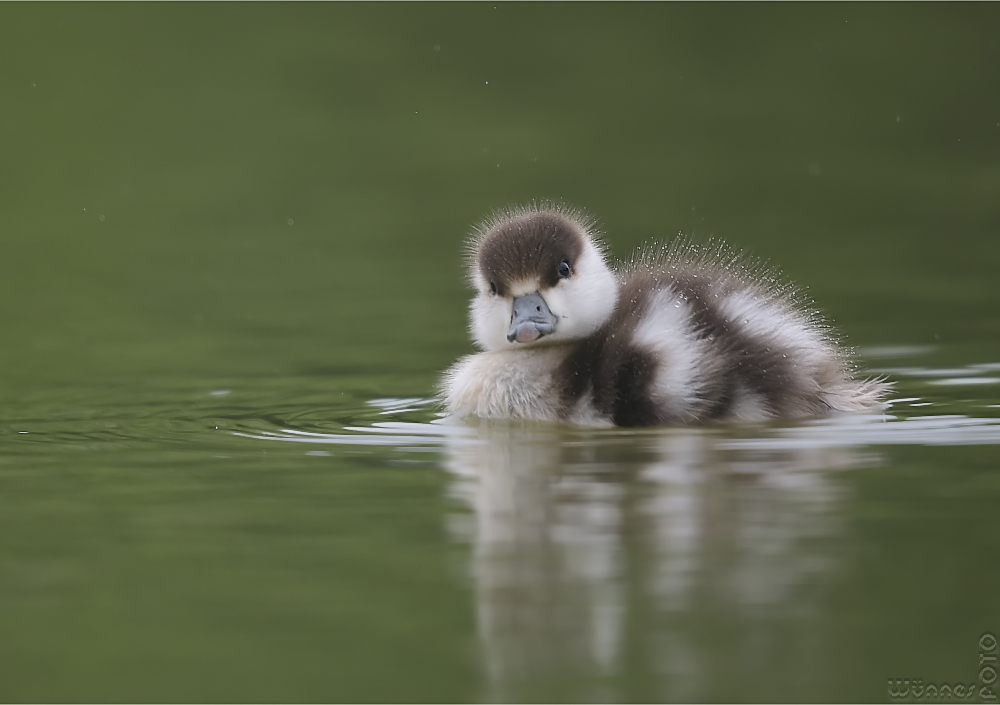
620,374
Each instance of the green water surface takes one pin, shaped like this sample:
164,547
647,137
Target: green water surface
231,272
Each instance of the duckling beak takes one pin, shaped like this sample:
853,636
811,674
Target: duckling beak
531,319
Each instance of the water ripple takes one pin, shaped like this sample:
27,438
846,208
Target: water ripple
845,431
937,405
909,421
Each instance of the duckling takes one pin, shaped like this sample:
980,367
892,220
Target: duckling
680,334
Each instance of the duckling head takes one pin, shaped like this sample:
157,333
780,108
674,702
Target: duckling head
540,277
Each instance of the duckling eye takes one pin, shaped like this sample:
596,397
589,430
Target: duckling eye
493,288
563,270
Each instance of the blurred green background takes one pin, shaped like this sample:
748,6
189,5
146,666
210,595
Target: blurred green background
154,158
268,202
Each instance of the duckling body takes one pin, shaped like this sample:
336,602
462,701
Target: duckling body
681,334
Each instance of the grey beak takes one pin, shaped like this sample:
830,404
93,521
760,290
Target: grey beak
531,319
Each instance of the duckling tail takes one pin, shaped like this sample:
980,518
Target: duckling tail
858,395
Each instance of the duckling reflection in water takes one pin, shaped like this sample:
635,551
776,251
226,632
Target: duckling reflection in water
680,334
595,558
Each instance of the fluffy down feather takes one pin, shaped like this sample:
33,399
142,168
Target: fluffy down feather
681,333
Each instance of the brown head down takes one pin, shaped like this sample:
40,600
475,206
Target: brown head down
540,276
528,246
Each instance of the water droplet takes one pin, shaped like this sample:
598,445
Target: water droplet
291,222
